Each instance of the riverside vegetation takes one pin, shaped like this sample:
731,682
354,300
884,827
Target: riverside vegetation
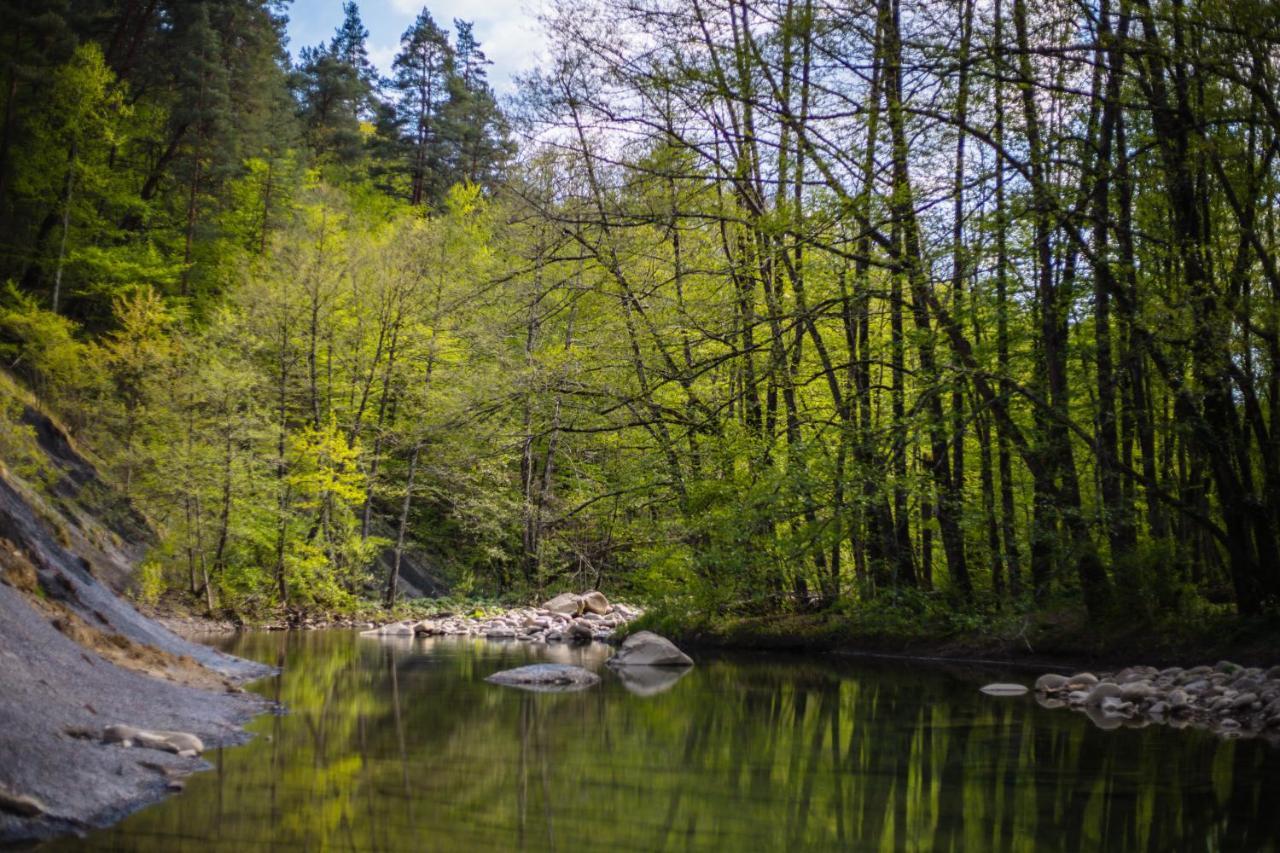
895,316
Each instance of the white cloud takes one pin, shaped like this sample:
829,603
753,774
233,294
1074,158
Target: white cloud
381,55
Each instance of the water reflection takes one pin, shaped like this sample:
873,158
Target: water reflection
650,680
400,745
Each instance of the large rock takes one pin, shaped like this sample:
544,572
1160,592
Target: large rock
565,603
646,648
546,677
595,602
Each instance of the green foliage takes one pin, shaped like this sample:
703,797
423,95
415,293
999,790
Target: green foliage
40,345
854,367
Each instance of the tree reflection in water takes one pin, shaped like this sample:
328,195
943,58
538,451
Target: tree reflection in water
400,745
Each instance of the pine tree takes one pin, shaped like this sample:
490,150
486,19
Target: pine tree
205,110
337,86
423,70
475,129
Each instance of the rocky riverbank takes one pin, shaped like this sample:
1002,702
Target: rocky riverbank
1230,699
101,709
566,618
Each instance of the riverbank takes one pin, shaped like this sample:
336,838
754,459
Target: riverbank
1048,640
77,659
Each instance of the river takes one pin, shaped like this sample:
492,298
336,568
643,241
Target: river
401,745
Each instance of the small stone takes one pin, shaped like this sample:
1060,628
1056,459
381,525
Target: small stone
1229,724
1159,709
1247,683
580,631
1178,698
1227,667
1082,679
1104,690
1136,691
1273,674
999,689
1130,673
1051,682
1244,700
21,804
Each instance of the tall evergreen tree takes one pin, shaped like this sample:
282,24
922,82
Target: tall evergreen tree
475,129
337,87
423,72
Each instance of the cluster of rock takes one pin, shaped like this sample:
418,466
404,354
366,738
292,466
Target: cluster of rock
1228,698
565,618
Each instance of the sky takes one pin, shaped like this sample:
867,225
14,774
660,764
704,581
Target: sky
506,29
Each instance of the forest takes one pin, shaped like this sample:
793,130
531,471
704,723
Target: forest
963,309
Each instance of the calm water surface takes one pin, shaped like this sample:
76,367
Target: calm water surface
401,745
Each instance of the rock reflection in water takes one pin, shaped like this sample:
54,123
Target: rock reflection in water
650,680
403,746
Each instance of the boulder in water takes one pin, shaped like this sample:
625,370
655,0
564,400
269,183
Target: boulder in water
546,677
646,648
